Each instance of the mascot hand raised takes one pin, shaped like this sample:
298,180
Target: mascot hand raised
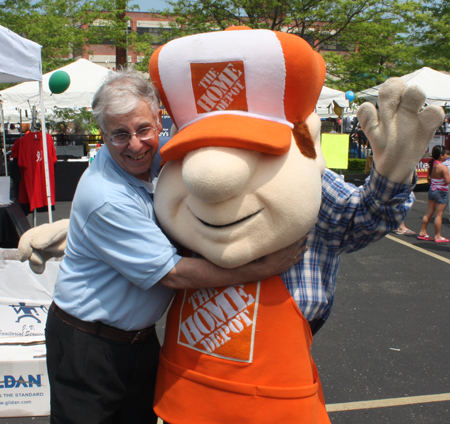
401,130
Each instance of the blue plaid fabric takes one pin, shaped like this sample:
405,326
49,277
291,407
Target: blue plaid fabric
349,219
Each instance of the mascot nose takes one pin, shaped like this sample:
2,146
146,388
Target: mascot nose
216,174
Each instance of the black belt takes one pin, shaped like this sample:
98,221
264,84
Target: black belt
104,331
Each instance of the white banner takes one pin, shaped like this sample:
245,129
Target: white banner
24,386
24,298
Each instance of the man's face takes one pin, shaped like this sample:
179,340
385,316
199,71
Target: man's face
234,205
136,156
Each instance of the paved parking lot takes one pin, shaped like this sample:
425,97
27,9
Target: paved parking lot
387,340
383,356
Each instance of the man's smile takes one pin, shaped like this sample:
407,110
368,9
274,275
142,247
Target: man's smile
139,157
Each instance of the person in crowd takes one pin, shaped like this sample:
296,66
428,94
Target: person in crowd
404,230
447,126
13,129
447,164
119,272
439,179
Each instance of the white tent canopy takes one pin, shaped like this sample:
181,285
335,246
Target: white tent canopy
20,60
85,78
436,86
327,95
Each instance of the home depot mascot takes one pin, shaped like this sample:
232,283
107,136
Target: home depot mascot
242,179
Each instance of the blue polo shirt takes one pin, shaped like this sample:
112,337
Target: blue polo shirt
116,253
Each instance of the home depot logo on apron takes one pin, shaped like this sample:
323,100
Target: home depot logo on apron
220,322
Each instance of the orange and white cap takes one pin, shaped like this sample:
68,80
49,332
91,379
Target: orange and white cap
237,88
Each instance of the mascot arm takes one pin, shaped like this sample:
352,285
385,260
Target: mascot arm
401,130
42,243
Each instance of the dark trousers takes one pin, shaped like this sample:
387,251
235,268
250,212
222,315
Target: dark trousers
98,381
316,325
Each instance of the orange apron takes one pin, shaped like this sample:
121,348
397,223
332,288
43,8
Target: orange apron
238,354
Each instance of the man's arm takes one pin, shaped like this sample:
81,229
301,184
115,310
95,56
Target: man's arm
49,240
196,273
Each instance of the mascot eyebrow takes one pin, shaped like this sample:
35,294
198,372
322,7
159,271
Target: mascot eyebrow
304,140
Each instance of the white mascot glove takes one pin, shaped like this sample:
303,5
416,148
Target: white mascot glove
42,243
401,131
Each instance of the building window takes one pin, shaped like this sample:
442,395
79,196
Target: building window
156,29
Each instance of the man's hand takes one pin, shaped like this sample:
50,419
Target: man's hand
402,129
283,259
42,243
196,273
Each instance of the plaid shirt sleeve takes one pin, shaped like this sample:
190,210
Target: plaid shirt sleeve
349,219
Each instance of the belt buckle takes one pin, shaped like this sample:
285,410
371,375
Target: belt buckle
139,336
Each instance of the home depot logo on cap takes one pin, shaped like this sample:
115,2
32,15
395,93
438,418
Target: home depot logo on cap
237,88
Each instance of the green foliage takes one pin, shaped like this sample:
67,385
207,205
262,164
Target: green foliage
142,45
356,165
382,38
62,27
371,65
318,21
431,35
82,118
383,50
375,33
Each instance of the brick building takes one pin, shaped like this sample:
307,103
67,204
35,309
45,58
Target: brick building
144,22
141,22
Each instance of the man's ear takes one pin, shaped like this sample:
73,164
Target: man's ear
103,135
160,127
313,123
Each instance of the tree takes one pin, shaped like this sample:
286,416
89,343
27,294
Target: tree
377,49
373,33
431,34
318,21
112,25
64,27
55,25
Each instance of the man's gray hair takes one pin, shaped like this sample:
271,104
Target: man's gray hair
120,93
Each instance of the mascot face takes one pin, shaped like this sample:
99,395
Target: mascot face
233,206
241,180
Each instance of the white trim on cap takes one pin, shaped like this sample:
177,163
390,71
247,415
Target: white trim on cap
238,113
264,65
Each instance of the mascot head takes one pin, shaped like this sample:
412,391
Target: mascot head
243,173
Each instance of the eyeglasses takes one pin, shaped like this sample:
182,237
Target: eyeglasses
143,134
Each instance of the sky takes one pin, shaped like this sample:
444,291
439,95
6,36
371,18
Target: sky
146,5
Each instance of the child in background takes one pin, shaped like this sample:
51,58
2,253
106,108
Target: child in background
439,179
447,164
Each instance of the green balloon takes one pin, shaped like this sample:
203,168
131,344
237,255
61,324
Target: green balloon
59,82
